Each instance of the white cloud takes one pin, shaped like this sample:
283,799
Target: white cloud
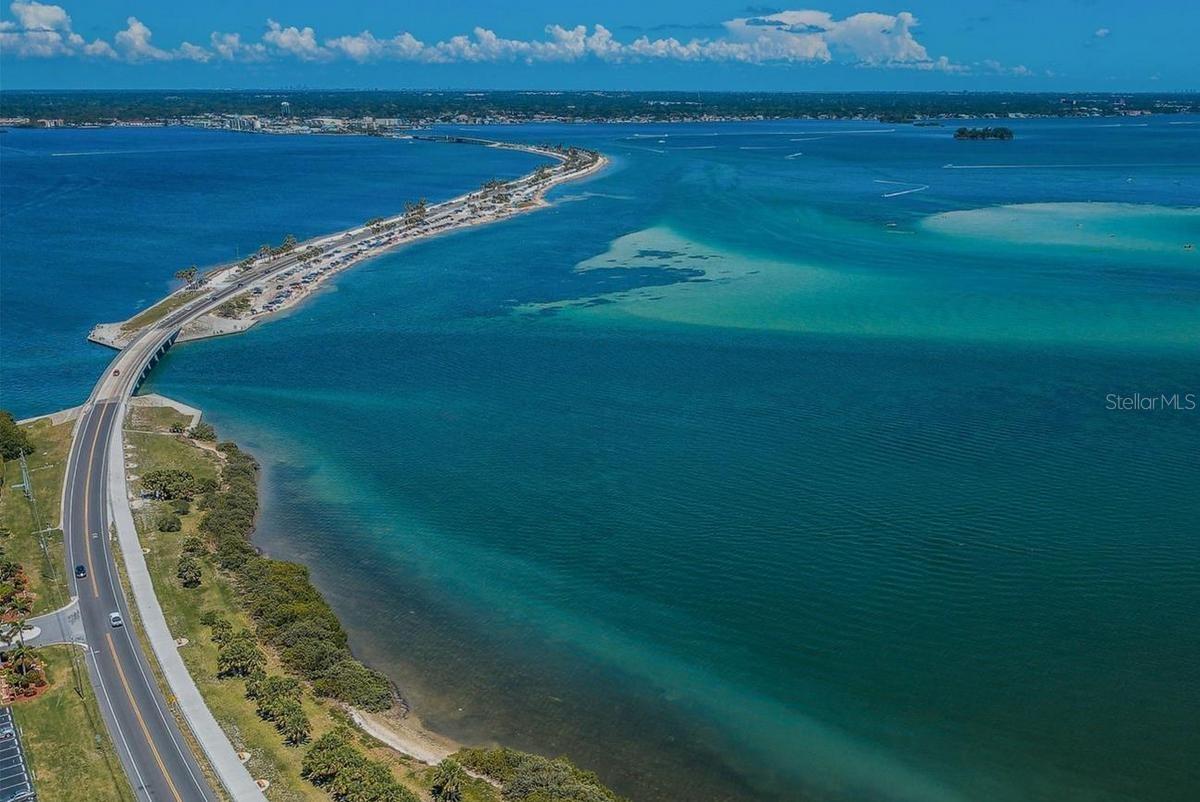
44,31
996,68
40,17
191,52
230,46
40,31
99,48
299,42
866,39
1102,33
133,45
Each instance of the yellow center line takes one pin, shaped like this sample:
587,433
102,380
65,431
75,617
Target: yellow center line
87,496
141,721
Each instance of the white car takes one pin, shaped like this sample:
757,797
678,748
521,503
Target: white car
115,620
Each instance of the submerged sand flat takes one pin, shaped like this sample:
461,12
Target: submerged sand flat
1014,287
1124,226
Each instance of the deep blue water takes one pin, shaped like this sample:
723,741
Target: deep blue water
732,475
94,223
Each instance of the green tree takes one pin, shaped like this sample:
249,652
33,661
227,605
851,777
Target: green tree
203,431
294,726
168,522
13,439
170,483
187,275
327,756
239,656
448,780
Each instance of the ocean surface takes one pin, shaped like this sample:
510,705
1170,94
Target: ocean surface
777,462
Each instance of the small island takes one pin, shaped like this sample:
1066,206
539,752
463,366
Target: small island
999,132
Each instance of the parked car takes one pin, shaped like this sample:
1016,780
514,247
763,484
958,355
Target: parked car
115,620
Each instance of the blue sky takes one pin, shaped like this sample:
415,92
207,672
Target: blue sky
1054,45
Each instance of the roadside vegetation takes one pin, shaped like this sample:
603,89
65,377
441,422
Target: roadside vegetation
153,314
236,307
68,749
69,753
46,448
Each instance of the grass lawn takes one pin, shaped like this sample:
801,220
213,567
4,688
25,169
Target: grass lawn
157,312
47,465
68,749
270,758
153,450
158,419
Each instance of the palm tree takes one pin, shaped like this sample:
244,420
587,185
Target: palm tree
294,726
188,275
447,781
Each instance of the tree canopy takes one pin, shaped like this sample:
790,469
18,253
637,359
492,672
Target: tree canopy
13,439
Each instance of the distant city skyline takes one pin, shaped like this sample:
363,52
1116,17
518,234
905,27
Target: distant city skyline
1065,45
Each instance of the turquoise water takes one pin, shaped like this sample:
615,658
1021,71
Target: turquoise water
739,476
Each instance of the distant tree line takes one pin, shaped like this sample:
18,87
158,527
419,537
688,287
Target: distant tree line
999,132
447,106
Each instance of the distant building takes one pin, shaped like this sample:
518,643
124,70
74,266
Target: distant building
285,109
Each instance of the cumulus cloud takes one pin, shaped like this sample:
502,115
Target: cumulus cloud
869,38
298,42
866,39
44,31
1102,33
39,31
133,44
230,47
996,68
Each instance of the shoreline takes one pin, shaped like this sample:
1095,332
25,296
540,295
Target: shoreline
303,267
395,728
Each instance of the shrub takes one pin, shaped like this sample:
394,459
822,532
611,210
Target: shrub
294,725
194,546
203,431
169,522
239,656
221,631
188,571
170,483
532,778
448,780
181,506
334,764
351,682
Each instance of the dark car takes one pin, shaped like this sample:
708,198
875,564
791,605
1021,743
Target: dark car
80,571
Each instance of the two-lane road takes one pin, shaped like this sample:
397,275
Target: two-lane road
157,760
